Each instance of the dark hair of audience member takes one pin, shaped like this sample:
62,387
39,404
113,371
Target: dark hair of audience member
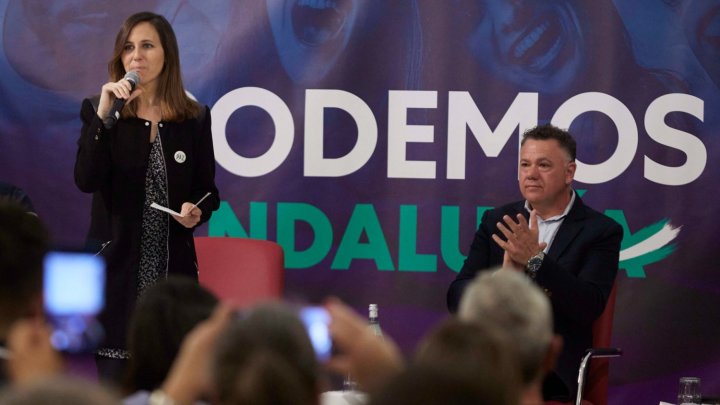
23,244
265,358
163,316
477,351
423,384
11,192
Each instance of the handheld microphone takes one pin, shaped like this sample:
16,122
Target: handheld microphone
114,115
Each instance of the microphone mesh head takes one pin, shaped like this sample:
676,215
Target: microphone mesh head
133,77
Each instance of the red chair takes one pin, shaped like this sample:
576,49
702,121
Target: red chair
244,271
593,380
596,382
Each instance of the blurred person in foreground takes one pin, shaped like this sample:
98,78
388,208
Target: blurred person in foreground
262,356
266,358
11,192
457,362
508,301
59,391
469,359
164,315
570,250
23,244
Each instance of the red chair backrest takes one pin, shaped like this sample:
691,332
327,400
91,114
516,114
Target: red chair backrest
596,382
244,271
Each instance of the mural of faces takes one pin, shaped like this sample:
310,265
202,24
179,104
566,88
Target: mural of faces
701,22
539,44
72,41
69,40
310,35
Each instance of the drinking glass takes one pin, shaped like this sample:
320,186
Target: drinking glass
689,392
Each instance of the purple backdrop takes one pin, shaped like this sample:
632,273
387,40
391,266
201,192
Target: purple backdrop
368,136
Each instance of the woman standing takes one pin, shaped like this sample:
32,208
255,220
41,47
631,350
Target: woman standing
159,151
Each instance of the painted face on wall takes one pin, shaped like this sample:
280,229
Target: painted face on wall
310,35
701,22
538,44
63,45
200,26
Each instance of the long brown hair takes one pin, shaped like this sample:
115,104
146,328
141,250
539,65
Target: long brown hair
175,105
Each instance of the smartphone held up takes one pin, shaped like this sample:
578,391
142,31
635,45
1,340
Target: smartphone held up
73,294
317,320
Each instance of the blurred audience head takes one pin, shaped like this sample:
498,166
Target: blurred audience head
265,357
508,300
477,350
424,384
164,314
23,244
59,391
11,192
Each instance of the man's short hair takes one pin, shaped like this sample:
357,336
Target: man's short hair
548,131
23,243
508,300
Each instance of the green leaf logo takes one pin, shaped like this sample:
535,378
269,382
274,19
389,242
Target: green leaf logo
646,246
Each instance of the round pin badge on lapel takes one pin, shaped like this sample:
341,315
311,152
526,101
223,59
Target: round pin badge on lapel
180,156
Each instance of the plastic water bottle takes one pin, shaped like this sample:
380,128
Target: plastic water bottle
374,324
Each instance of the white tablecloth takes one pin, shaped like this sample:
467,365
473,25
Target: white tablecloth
343,398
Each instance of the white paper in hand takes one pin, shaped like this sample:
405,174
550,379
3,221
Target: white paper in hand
169,211
165,209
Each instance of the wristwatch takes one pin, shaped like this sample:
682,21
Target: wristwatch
533,265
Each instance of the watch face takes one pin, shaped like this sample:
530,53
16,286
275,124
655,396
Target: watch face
534,263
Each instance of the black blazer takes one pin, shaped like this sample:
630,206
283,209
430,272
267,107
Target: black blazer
111,163
577,274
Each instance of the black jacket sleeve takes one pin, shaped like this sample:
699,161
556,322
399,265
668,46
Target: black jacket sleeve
92,162
478,259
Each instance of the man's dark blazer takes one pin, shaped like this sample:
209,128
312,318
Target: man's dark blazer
577,274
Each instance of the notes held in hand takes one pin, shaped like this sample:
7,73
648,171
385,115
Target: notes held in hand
171,212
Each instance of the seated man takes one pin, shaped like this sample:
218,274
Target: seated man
570,250
508,301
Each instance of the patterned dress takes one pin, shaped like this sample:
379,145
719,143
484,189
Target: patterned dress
154,241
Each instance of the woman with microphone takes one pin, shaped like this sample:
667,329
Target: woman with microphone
158,151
